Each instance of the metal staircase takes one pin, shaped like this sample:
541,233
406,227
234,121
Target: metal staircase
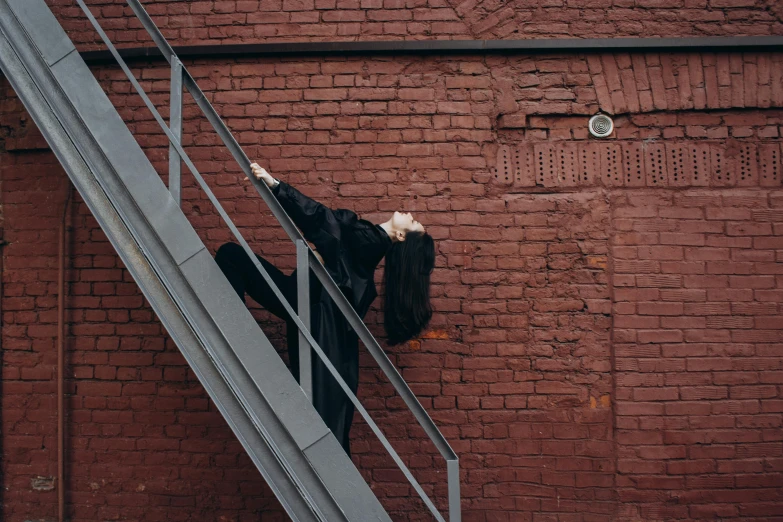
268,411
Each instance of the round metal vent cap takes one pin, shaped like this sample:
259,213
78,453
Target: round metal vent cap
601,125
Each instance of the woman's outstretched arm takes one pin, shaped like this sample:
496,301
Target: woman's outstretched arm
319,224
309,215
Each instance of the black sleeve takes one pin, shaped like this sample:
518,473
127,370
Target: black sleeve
319,224
368,244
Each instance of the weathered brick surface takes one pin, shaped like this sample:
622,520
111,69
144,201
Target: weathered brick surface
625,84
605,348
233,21
697,337
611,18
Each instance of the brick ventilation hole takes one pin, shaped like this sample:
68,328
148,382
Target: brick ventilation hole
676,165
611,165
633,163
655,161
502,170
748,168
770,166
568,165
700,163
720,176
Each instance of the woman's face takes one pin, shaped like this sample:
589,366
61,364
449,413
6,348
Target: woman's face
405,223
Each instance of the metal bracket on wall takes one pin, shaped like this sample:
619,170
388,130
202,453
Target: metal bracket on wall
434,47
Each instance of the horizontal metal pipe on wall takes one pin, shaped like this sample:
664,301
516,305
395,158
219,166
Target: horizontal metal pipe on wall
425,47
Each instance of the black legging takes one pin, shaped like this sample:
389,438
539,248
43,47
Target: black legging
245,278
329,399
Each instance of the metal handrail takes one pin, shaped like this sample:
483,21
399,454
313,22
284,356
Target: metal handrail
305,258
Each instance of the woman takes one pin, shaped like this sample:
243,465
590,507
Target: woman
350,249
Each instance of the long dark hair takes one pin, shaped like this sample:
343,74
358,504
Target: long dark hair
406,276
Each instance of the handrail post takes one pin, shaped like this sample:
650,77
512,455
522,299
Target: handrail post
175,124
303,305
452,474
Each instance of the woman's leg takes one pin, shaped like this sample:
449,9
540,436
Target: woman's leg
245,277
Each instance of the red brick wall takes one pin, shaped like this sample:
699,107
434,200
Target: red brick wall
607,344
231,21
698,287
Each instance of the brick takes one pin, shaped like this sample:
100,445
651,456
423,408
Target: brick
546,387
454,108
99,389
660,336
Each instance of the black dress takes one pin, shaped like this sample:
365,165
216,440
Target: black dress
351,249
